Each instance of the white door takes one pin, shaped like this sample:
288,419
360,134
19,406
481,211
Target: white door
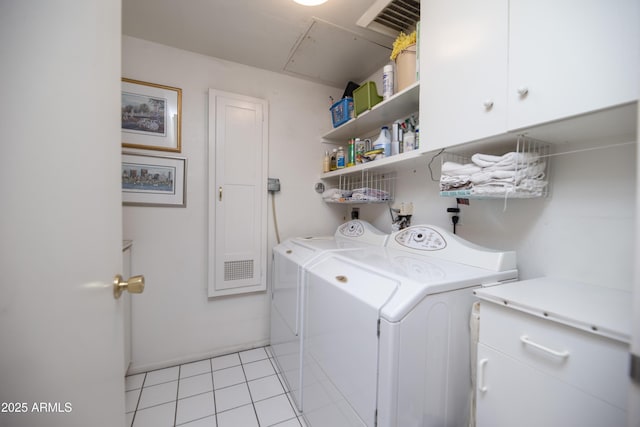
238,193
61,351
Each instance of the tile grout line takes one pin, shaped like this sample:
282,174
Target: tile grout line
213,387
255,412
135,411
175,412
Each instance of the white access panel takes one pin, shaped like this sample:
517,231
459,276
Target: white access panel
238,144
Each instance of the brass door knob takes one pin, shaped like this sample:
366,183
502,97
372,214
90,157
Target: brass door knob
135,285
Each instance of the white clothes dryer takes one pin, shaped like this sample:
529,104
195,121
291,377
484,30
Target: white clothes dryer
386,330
289,259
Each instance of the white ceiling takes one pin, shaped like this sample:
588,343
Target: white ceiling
319,43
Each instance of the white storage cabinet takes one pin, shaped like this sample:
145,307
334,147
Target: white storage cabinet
500,66
552,353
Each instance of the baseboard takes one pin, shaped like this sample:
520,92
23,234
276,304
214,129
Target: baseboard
135,368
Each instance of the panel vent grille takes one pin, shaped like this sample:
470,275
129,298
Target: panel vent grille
238,270
400,15
391,16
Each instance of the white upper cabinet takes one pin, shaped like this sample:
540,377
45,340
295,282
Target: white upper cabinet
569,57
498,66
463,72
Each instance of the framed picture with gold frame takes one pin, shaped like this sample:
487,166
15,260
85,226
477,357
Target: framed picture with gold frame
151,116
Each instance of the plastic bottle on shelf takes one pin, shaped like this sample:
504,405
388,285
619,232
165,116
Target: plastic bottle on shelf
360,149
409,141
387,82
351,153
332,165
340,159
326,162
395,138
383,141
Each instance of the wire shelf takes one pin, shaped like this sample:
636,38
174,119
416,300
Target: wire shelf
518,174
365,187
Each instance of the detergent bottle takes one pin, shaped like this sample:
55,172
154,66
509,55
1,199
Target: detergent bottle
383,141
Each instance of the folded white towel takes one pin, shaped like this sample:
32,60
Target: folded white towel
508,161
454,182
457,169
367,193
335,194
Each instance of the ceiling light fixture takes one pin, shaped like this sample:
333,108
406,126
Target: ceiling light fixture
310,2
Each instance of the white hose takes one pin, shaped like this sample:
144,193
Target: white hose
275,220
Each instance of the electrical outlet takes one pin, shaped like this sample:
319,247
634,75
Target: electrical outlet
273,185
455,212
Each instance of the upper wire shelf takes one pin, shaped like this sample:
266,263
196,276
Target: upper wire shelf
520,173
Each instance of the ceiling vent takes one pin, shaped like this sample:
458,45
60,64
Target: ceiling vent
391,16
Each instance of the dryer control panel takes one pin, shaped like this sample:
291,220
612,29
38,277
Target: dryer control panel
361,231
433,241
352,229
421,238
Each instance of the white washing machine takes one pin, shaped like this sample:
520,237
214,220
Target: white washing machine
289,259
386,330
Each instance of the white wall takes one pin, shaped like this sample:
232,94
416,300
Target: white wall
174,321
584,229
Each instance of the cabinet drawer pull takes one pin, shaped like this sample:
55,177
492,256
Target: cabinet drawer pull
481,387
563,354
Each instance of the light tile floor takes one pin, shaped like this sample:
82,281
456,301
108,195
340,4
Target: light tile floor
236,390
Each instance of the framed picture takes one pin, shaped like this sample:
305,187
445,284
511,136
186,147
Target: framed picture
151,116
153,180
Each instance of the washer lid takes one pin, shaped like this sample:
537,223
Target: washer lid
417,276
596,309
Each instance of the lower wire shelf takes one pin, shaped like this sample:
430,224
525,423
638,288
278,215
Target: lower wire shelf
365,187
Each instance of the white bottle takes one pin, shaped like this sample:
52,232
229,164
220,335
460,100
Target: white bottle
387,81
340,159
383,141
395,138
409,141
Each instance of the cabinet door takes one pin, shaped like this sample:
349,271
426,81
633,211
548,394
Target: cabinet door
570,57
237,194
463,71
511,393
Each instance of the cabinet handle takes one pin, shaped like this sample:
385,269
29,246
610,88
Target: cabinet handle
220,193
488,104
481,364
562,354
523,91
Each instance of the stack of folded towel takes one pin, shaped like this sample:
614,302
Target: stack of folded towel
511,174
359,194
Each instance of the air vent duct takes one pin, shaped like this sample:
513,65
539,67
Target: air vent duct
391,16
